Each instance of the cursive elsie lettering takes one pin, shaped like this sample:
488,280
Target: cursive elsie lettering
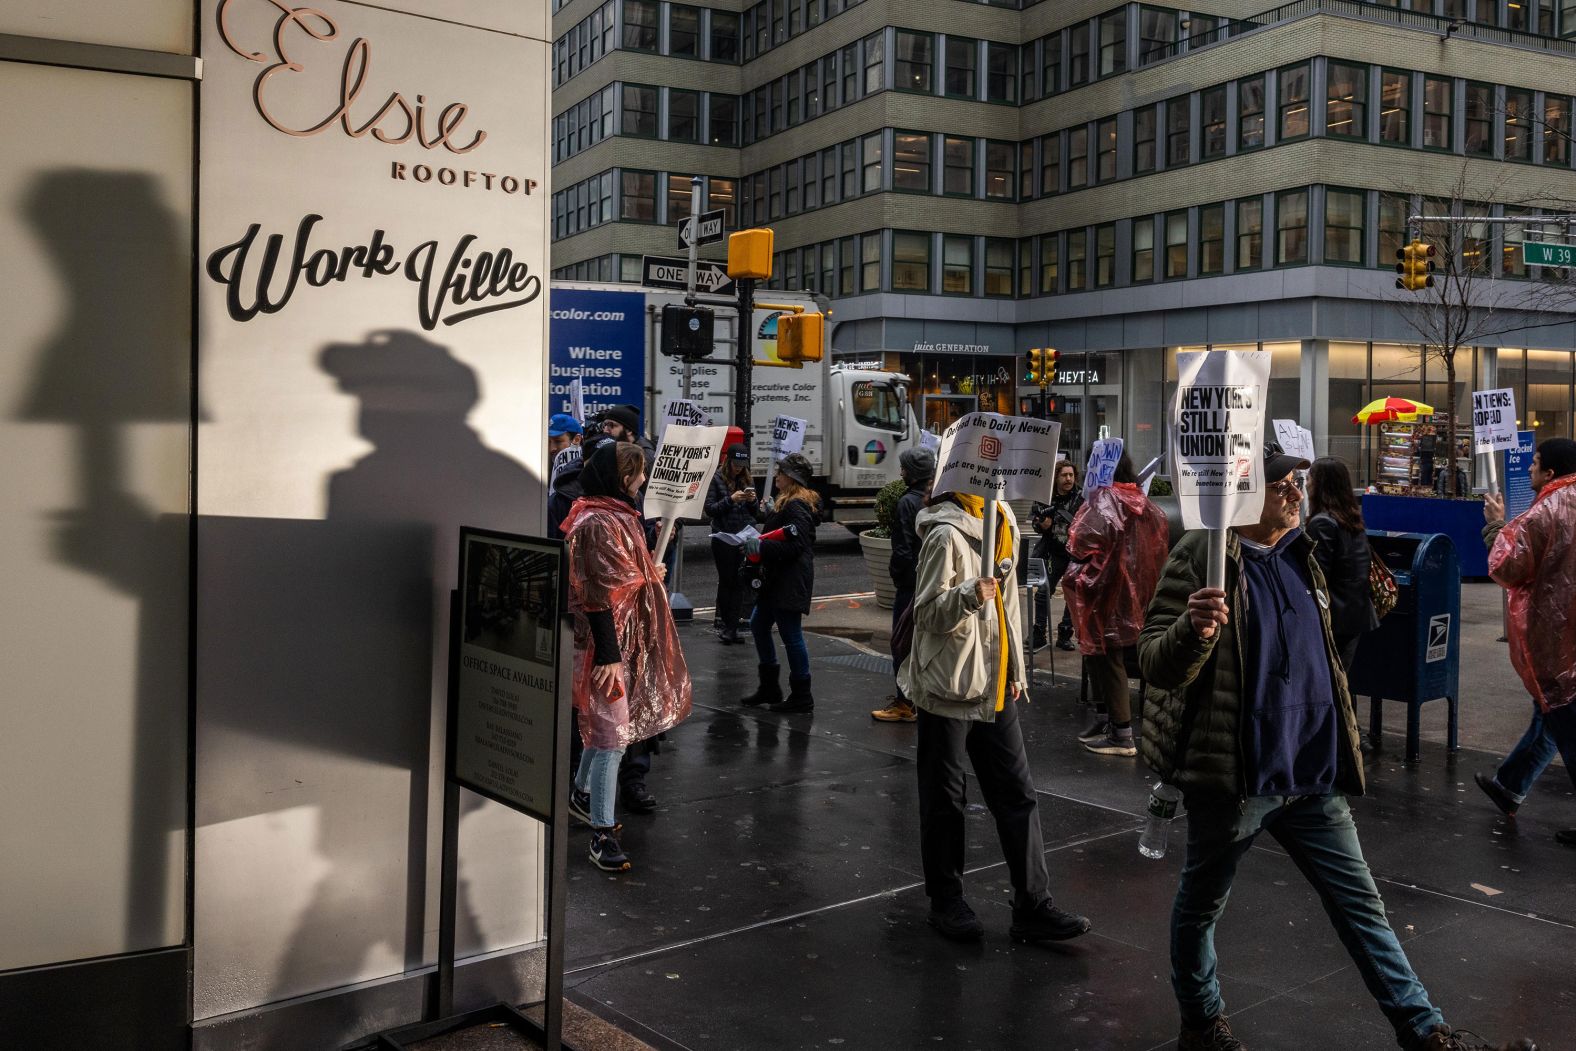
393,122
259,279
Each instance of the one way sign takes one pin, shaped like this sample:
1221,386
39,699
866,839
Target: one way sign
664,272
711,228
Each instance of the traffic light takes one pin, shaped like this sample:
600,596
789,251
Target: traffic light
1416,266
1036,370
1049,376
750,254
687,332
800,337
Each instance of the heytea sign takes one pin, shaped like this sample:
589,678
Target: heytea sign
311,83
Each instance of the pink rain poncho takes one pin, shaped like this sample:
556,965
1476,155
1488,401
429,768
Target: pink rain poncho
1118,542
1534,557
610,568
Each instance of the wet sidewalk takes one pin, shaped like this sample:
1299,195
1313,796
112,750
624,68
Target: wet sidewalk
776,900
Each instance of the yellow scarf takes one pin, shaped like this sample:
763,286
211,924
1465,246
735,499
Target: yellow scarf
974,506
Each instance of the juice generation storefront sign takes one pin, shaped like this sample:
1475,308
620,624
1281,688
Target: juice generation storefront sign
372,374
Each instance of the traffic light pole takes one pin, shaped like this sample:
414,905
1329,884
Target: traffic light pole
743,390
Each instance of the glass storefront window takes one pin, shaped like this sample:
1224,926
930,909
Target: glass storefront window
1285,381
1547,410
1347,392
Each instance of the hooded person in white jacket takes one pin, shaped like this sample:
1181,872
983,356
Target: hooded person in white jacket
966,676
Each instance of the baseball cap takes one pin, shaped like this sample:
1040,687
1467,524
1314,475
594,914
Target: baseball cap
1278,463
561,423
738,452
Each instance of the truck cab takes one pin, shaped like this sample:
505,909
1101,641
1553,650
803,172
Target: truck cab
869,423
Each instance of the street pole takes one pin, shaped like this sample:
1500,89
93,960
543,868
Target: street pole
743,392
694,243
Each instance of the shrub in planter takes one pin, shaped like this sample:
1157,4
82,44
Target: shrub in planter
876,544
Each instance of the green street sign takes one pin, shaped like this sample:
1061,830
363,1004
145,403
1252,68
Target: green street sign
1539,253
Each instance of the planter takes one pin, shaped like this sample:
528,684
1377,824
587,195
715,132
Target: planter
878,558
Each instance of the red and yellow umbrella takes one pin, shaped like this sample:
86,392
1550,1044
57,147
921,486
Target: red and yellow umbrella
1392,410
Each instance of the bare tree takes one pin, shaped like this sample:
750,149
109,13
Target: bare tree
1472,300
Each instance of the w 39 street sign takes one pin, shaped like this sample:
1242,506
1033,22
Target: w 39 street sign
1543,253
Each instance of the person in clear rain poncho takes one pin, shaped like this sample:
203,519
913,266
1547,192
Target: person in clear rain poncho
630,682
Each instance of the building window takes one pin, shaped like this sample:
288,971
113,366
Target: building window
870,262
872,162
1480,119
791,187
998,170
794,87
1077,157
640,110
875,45
1212,239
678,197
683,115
910,261
1557,129
850,170
957,265
849,61
1144,140
1051,66
638,197
847,268
1250,113
962,67
1212,106
1291,227
1512,264
1078,54
1028,90
1051,164
812,181
1438,97
911,161
1026,267
1026,170
1394,210
958,167
1343,226
1113,43
1518,125
1250,233
1345,107
1001,73
998,267
642,28
1157,34
1176,244
1143,250
1292,86
1077,260
724,36
1105,150
723,122
723,194
1178,132
1105,255
1395,107
1050,263
914,60
774,182
684,30
829,268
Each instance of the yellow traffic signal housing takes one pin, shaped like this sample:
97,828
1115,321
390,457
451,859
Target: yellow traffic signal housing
800,337
1036,369
1416,266
1049,374
750,254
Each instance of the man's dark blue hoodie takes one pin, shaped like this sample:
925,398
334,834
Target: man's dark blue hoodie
1291,738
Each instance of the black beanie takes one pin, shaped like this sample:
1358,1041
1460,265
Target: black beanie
599,476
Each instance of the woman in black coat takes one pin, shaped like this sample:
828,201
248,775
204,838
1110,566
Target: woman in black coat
785,552
1341,546
731,506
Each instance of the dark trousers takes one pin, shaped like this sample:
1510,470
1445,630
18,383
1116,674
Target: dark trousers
1108,680
730,592
900,602
995,750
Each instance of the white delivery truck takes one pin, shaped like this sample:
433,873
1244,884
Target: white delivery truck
858,420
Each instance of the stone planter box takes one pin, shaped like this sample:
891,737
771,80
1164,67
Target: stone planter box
878,556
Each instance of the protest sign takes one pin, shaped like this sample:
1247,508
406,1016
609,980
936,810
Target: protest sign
566,457
1295,439
577,399
1493,420
1217,437
1146,477
787,437
1007,457
684,413
930,441
680,477
1103,458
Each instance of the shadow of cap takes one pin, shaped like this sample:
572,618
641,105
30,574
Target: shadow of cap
399,371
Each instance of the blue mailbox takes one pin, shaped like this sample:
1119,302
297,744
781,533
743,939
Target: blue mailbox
1414,655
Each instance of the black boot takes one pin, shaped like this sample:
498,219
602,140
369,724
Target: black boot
799,699
770,691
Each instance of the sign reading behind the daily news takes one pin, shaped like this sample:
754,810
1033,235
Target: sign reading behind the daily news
1008,457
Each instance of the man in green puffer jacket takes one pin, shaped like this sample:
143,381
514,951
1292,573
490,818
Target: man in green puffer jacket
1249,715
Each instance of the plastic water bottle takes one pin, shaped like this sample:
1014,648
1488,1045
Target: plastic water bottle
1163,800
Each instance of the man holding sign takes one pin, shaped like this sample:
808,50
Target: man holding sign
966,671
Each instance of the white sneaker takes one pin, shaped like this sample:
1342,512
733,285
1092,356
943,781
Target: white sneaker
1117,742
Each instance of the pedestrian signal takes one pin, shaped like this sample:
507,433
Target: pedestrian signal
687,332
1415,266
800,337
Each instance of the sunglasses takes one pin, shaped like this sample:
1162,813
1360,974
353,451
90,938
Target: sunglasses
1285,489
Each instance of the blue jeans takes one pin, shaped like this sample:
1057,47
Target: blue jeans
761,622
1318,833
598,775
1528,759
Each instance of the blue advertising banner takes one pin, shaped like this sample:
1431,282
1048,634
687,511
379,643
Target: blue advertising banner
1518,482
600,338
